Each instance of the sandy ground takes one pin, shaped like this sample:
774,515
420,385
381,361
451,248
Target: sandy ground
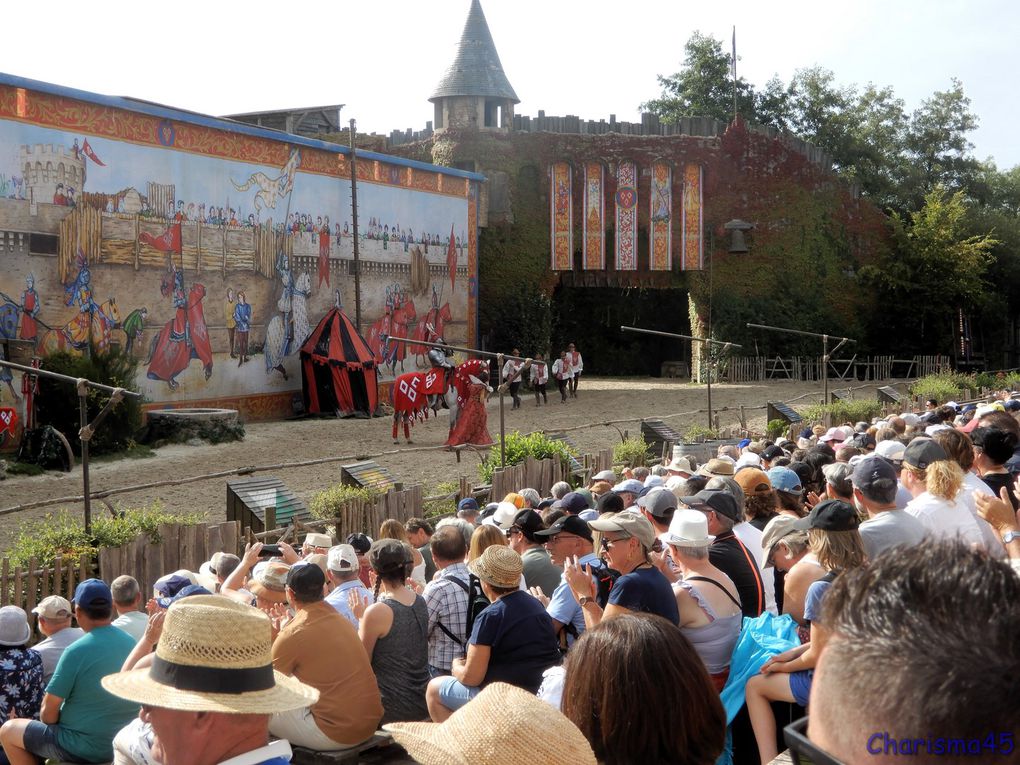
275,442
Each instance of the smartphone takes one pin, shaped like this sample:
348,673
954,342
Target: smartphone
270,551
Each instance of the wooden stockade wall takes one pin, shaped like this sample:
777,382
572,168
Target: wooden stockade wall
743,369
180,546
27,586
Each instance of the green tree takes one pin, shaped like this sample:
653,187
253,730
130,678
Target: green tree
704,85
937,268
937,142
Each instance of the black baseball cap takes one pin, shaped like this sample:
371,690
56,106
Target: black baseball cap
571,524
610,502
307,580
921,452
830,515
529,522
718,500
772,452
873,472
360,542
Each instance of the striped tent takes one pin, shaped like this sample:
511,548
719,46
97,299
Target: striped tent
338,374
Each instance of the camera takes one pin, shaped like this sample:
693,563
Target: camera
270,551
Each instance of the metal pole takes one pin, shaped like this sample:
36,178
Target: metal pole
476,351
708,348
354,231
825,349
502,420
83,420
825,369
66,378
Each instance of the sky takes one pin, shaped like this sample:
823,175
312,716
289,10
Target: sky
583,57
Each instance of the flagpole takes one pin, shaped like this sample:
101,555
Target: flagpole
734,72
354,231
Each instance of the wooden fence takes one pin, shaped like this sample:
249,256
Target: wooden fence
179,546
27,586
742,369
542,474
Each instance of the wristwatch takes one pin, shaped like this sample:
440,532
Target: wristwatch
584,600
1008,537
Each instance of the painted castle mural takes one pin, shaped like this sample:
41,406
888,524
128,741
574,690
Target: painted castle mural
209,250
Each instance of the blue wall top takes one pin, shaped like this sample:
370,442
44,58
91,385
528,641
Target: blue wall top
166,112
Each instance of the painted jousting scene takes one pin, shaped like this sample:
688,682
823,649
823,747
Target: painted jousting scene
210,251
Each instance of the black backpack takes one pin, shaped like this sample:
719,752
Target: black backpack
477,602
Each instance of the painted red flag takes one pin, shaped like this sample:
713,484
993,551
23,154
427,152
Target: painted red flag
168,241
87,149
8,420
451,259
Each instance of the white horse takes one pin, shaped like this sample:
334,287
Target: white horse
271,188
278,345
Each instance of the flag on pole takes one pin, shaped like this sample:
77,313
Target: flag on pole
168,241
87,150
451,258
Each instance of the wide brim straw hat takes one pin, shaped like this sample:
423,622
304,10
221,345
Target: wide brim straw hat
503,724
499,566
214,655
271,582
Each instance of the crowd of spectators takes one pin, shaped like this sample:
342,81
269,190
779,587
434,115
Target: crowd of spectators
612,619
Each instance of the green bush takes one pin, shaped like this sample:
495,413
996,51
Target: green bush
57,402
698,433
776,429
519,447
64,534
859,410
631,452
944,386
997,380
329,503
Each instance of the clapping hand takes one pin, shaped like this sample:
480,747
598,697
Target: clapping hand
537,593
579,578
154,627
357,603
997,511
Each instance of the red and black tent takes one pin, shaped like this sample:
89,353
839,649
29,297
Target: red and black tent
338,374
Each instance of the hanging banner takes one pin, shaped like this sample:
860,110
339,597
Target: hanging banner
594,217
661,207
626,217
693,256
561,216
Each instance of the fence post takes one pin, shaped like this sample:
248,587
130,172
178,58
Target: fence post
270,518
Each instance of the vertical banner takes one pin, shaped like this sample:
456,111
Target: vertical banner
626,217
661,206
693,254
594,217
561,216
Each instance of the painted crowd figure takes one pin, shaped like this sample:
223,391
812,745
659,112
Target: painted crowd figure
30,307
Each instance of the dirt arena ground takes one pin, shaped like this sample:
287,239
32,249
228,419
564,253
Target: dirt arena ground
275,442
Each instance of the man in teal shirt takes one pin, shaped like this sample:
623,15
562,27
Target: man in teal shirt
78,719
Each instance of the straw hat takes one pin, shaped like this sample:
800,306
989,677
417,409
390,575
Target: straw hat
499,566
503,724
214,655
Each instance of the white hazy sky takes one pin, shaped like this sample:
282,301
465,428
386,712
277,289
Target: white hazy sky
585,57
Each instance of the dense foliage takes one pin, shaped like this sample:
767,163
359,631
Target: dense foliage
519,447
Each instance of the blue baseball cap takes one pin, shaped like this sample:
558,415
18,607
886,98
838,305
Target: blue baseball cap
91,593
191,589
468,503
784,479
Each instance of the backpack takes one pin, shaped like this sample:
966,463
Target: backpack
477,602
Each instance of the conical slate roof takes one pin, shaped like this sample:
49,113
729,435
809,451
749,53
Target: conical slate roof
476,70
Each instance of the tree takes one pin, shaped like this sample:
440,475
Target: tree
937,267
703,87
937,141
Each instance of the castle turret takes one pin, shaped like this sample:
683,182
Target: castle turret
475,93
51,171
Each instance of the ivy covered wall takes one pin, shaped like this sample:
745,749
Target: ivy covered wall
810,239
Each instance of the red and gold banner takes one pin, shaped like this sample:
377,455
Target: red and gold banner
626,217
561,215
693,256
594,217
661,217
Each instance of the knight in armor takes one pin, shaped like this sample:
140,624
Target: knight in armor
439,358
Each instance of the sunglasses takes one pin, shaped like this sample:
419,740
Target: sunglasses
802,750
606,542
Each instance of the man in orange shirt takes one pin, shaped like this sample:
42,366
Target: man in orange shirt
321,649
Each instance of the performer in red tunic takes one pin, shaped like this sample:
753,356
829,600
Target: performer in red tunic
472,423
324,252
29,310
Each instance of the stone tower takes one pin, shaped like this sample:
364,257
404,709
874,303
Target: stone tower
475,93
46,165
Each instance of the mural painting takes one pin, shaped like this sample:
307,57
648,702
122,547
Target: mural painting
209,251
561,215
693,256
661,214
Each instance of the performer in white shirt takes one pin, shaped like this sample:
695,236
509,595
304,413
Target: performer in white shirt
539,378
561,373
576,367
513,371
